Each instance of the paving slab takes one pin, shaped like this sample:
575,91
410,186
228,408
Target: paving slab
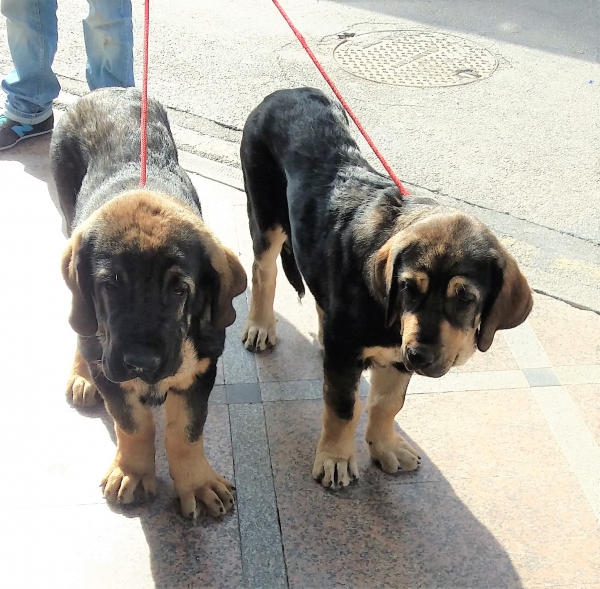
507,494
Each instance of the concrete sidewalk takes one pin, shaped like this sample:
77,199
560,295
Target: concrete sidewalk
520,148
508,494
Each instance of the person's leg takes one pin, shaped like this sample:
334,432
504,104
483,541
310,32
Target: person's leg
32,86
108,34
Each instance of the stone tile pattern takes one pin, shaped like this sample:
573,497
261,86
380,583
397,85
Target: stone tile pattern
505,497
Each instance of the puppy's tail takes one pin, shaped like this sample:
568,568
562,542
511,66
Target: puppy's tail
290,268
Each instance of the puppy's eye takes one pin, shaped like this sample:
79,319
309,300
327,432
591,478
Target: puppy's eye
111,282
464,299
409,289
179,289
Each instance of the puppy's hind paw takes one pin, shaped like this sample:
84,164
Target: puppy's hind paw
257,337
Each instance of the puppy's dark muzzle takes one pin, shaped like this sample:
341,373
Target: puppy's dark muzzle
420,357
131,362
423,360
144,363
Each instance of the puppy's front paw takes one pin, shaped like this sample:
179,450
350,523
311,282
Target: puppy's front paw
204,491
81,392
120,483
258,336
393,453
335,469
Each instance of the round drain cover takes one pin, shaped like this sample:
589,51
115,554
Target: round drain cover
415,58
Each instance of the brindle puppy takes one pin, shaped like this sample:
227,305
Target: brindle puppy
152,293
401,285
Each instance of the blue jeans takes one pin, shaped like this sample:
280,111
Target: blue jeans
32,31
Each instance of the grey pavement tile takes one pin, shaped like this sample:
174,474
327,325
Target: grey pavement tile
262,552
238,363
243,393
569,336
292,390
587,399
414,536
245,241
218,395
220,378
526,347
575,439
470,533
541,377
297,390
581,374
468,381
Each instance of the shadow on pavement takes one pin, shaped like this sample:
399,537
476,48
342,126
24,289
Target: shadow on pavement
404,530
565,28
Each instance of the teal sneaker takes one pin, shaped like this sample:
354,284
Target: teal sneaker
12,132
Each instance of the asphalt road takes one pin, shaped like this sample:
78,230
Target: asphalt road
520,149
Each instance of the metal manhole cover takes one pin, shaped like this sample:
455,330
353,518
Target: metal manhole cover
415,58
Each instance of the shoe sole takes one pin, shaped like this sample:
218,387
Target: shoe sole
26,137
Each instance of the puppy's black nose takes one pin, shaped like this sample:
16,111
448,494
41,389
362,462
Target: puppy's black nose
142,361
420,356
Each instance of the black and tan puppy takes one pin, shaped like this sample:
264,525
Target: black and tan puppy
152,293
401,285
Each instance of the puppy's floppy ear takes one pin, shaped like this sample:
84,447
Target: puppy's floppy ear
385,283
76,271
232,282
510,302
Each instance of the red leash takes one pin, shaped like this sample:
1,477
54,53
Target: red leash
144,116
308,50
144,104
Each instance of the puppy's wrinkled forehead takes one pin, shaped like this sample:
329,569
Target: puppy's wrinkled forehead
446,245
141,221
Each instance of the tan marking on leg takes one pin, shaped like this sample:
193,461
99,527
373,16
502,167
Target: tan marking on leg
320,317
192,475
335,462
81,390
134,462
386,398
259,331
